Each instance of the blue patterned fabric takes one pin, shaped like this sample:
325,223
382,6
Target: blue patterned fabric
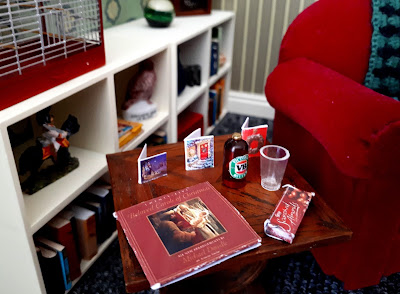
383,74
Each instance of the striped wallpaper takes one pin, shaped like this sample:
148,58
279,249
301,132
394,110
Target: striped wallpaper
259,28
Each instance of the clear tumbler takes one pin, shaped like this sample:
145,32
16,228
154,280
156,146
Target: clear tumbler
273,162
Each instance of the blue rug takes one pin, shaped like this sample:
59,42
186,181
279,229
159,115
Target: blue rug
233,123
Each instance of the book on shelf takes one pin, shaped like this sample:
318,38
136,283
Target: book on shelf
62,257
181,233
216,50
214,57
86,228
127,130
60,230
50,267
123,129
68,214
212,107
101,232
219,88
101,193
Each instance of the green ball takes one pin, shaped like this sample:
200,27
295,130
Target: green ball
159,13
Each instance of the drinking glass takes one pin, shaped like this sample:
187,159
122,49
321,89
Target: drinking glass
273,162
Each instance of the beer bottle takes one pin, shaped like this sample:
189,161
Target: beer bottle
235,161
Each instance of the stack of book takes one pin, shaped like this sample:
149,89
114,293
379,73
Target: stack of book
127,130
73,235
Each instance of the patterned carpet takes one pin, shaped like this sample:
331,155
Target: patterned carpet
294,274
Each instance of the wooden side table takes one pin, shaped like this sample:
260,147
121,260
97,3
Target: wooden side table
320,226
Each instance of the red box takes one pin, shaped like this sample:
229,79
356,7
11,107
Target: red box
188,121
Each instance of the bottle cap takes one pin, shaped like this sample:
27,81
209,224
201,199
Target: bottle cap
236,136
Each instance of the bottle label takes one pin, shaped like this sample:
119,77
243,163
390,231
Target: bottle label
238,167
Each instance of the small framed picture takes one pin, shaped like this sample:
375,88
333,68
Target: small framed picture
191,7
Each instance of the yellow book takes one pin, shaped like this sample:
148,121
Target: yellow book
136,128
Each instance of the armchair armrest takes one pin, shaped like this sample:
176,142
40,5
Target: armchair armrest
359,128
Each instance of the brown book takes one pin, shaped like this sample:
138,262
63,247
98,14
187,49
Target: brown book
60,230
86,228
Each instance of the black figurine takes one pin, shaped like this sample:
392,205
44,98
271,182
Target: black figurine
53,144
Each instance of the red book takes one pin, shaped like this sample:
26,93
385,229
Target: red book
60,230
182,233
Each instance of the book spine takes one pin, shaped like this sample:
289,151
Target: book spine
214,57
87,237
51,273
65,236
124,130
65,269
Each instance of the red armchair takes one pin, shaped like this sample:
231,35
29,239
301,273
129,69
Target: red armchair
343,137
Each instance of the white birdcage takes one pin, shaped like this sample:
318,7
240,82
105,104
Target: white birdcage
35,31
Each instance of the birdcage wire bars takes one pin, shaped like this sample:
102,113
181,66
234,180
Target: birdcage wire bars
32,32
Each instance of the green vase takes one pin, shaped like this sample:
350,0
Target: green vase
158,13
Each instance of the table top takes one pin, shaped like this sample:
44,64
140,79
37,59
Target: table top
320,225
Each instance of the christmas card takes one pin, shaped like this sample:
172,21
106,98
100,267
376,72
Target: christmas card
256,137
151,168
199,151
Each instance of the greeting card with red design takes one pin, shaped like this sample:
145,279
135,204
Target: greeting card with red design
256,137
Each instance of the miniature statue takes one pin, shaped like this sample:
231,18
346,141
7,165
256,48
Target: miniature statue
52,144
138,105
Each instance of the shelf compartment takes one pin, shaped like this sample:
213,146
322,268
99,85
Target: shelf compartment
159,96
46,203
149,126
189,95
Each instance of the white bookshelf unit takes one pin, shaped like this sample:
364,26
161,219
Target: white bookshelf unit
95,99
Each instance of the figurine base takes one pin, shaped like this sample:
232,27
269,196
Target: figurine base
47,176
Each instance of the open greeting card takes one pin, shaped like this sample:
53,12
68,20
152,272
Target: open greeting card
151,168
199,151
256,137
